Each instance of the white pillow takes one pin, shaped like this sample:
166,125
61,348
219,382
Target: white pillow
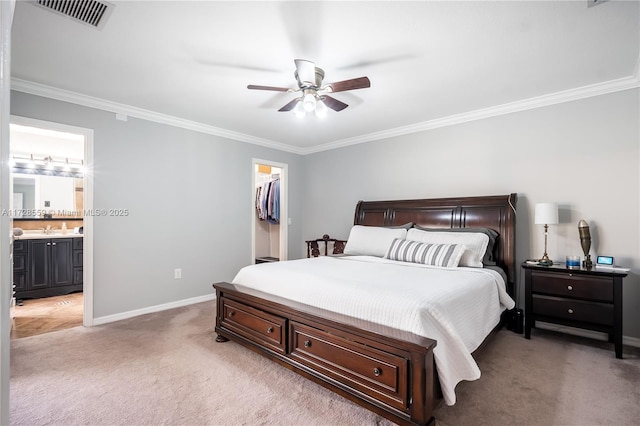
429,254
476,243
372,240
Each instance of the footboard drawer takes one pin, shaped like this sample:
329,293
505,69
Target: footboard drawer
359,366
256,325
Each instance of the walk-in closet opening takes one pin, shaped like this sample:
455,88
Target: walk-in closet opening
269,218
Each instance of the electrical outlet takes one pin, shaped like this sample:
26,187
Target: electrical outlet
177,273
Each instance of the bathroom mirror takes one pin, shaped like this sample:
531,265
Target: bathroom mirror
35,195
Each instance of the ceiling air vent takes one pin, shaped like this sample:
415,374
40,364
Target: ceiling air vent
90,12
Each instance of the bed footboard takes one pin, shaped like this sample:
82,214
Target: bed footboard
387,371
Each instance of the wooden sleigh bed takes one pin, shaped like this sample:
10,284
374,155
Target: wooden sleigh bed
386,370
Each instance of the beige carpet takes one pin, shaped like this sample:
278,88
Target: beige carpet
166,368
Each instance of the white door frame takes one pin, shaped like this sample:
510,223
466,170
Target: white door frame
6,288
87,254
284,206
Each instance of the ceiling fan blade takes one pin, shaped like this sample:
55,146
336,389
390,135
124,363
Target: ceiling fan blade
272,88
306,72
333,103
354,83
291,105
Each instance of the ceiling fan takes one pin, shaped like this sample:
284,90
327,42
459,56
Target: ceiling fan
314,94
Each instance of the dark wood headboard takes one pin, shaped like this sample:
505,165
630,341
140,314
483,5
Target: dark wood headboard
496,212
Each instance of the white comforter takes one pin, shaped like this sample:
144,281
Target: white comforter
458,307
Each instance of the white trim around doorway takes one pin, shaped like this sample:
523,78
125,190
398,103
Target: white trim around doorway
87,260
284,207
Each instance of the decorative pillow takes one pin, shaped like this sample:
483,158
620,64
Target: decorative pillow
489,256
372,240
474,242
429,254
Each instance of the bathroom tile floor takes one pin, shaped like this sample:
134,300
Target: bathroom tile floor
38,316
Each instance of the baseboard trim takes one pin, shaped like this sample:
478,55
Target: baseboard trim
626,340
151,309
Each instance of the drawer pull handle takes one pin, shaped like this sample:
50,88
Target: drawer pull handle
377,372
270,330
232,313
307,343
570,311
569,287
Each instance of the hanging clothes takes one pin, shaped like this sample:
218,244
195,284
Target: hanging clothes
268,201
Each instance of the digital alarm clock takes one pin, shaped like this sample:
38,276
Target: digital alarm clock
605,261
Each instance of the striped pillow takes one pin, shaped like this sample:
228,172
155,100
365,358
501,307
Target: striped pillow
429,254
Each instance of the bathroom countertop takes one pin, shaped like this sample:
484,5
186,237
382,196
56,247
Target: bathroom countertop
27,235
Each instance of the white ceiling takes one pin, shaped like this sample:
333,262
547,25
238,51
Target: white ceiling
430,63
26,141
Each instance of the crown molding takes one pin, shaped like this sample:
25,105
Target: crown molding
117,108
611,86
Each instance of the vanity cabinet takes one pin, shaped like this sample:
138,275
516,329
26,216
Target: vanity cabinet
49,263
47,267
77,260
20,265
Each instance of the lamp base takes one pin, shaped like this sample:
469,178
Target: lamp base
545,260
587,263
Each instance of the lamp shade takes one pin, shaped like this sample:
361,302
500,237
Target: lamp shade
546,214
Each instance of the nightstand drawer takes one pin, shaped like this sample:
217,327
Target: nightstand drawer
574,310
572,285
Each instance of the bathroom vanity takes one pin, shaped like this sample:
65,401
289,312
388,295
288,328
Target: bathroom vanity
46,265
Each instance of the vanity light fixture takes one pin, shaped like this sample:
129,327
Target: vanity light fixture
46,165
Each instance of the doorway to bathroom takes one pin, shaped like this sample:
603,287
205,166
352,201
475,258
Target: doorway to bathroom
269,219
51,189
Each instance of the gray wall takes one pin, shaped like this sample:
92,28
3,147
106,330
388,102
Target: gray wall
584,155
188,195
184,188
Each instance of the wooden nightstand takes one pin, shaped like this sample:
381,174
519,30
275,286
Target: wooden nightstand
589,299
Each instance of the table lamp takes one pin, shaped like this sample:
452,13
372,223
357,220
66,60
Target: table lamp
546,214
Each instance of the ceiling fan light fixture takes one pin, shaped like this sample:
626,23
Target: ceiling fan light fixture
321,109
309,102
314,98
299,110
